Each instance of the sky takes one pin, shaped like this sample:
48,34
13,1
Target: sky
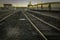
24,2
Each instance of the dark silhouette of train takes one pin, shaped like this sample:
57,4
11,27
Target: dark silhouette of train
45,6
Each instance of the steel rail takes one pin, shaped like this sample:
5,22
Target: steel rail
46,15
45,22
35,26
7,17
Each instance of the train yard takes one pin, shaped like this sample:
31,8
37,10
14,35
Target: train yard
29,25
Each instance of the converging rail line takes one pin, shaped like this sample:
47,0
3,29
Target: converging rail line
35,27
23,25
35,24
45,22
45,14
48,19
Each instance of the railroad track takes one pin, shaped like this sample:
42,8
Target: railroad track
35,27
7,15
46,31
53,20
17,27
51,14
25,26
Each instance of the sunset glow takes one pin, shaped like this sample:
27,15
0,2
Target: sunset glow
22,3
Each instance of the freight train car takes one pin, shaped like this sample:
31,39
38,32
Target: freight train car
47,6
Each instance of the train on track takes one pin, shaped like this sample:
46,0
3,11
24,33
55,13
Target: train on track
45,6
